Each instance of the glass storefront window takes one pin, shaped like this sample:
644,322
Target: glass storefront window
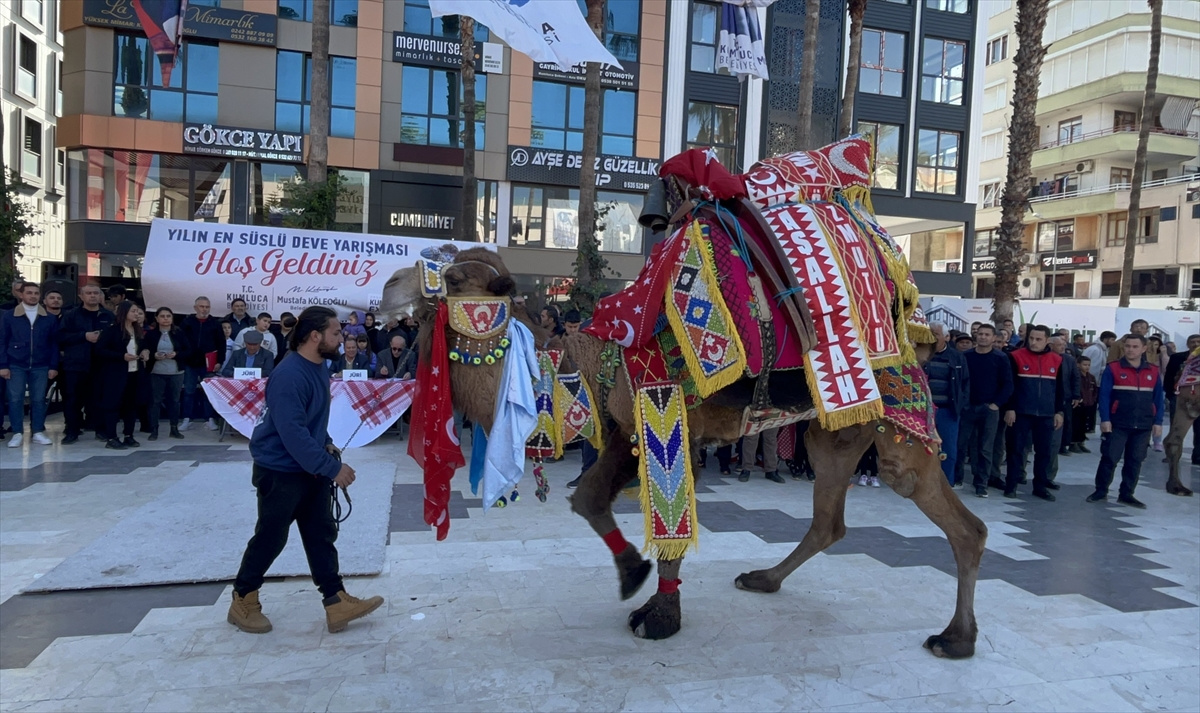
716,126
418,20
341,12
431,106
142,89
548,217
293,93
622,22
706,18
136,187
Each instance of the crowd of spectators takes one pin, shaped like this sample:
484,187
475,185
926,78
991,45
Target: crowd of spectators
113,366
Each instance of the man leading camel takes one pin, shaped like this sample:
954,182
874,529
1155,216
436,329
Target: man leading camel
1034,411
296,468
1131,411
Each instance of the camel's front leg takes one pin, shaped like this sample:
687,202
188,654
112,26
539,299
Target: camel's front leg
1186,409
661,616
593,500
917,475
833,456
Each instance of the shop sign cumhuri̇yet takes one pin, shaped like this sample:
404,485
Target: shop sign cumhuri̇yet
213,140
529,164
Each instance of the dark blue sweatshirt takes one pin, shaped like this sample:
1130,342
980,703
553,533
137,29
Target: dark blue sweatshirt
991,377
295,427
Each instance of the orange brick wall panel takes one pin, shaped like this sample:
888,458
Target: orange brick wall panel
341,151
370,15
66,131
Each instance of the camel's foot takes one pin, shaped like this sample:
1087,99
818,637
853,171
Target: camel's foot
632,571
946,647
757,581
659,618
1174,487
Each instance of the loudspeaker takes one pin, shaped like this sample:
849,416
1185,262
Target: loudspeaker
64,278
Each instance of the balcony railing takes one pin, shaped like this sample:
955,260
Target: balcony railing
1113,130
1114,187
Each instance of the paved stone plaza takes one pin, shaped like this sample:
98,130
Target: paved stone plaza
1080,607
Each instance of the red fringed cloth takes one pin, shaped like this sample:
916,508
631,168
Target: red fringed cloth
433,443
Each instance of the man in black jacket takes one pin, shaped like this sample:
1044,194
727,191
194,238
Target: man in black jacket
239,318
950,388
203,331
78,331
396,362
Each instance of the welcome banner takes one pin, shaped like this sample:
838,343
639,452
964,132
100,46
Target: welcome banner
274,270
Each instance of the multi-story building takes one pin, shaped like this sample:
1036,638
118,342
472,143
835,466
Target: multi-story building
30,104
138,147
1092,84
917,82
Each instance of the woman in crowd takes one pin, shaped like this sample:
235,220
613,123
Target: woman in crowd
373,333
169,348
352,358
122,354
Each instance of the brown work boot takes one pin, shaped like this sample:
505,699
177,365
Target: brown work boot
246,614
342,608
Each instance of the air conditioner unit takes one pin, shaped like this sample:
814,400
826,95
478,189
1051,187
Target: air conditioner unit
1030,288
1085,166
1193,193
1031,259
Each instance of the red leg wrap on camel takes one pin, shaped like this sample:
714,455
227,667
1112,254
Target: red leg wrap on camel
668,586
616,541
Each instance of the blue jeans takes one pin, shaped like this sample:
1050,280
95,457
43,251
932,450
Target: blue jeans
38,380
947,427
1122,443
195,402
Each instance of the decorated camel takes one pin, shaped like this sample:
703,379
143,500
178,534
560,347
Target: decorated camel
776,298
1187,410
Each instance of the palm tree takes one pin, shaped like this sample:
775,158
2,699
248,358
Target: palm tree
857,9
466,28
1139,161
588,262
1022,141
808,74
318,132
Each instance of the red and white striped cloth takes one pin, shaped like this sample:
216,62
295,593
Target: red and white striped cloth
248,397
359,411
376,402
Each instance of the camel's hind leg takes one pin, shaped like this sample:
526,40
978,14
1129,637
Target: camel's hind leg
917,475
1187,408
833,456
593,500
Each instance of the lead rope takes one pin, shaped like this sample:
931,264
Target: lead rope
336,504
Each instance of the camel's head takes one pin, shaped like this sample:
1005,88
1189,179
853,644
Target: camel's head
476,272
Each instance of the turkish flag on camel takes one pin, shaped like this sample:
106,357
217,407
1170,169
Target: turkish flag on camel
628,317
432,442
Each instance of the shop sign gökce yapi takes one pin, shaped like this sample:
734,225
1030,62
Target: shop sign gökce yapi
203,21
274,269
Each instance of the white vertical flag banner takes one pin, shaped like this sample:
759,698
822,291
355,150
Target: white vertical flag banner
546,30
740,49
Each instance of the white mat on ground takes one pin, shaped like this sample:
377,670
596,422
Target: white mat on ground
197,530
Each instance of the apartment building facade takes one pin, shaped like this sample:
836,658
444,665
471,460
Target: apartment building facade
140,144
1089,105
30,103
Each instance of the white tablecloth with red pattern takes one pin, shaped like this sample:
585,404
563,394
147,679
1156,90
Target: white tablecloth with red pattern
359,409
